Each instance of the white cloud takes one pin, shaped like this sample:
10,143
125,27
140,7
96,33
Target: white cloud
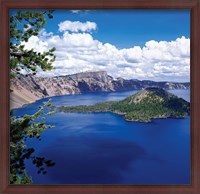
75,11
132,55
78,52
36,43
78,11
43,34
77,26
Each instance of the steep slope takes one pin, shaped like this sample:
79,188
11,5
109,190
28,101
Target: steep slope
30,88
152,102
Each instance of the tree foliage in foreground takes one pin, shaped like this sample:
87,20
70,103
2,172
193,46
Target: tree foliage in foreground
28,126
23,25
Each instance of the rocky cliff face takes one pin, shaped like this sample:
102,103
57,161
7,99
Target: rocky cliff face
30,88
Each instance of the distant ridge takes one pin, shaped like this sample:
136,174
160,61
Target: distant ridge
30,88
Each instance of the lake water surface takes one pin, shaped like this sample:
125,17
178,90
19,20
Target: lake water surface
103,148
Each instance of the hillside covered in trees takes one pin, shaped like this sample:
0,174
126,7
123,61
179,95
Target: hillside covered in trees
150,103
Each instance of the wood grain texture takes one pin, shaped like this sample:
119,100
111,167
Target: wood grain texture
193,5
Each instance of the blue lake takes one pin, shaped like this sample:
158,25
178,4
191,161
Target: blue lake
103,148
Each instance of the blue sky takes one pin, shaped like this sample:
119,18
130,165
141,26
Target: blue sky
130,27
133,44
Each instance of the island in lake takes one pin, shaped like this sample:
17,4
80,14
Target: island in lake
150,103
29,88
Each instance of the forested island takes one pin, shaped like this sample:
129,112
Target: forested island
150,103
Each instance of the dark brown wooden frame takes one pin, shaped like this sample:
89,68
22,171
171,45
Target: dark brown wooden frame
192,5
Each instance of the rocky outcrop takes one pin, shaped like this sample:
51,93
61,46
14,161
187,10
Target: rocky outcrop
31,88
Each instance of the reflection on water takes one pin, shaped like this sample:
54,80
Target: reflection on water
103,148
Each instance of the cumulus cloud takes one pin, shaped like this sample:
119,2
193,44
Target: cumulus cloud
77,26
75,11
79,51
36,43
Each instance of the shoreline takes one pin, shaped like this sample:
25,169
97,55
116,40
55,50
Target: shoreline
19,99
124,114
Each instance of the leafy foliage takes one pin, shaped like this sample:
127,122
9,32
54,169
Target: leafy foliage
23,25
28,126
